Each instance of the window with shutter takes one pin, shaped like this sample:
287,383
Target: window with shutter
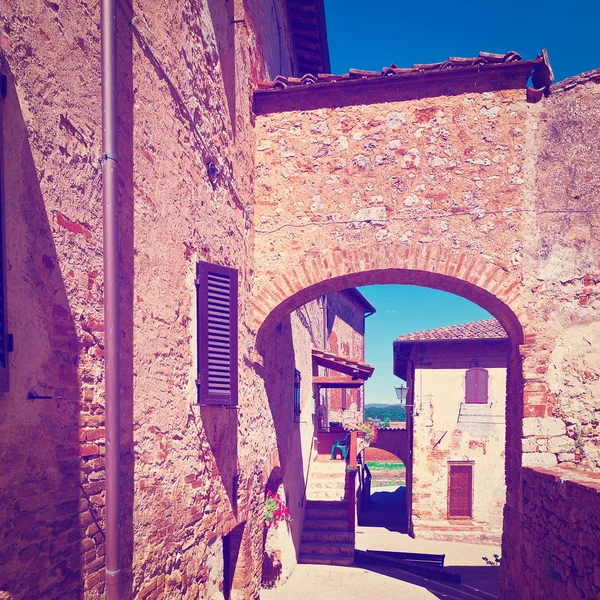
476,386
217,301
344,399
297,409
4,336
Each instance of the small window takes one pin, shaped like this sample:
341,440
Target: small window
476,386
344,399
297,409
217,306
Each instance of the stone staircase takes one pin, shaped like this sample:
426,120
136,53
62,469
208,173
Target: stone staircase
325,536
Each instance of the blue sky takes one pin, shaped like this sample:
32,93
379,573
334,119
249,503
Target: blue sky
404,309
374,34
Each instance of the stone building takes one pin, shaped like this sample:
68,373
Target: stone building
305,414
457,394
292,186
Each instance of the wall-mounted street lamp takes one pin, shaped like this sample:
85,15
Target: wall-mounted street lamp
401,394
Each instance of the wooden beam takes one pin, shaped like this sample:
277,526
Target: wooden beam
337,382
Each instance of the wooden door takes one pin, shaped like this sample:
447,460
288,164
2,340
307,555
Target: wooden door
460,491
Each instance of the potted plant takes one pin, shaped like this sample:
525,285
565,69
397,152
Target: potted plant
275,510
368,431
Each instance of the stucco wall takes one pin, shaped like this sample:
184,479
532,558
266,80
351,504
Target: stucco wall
184,89
445,430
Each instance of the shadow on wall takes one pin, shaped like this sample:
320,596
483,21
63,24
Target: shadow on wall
125,106
223,19
42,501
279,385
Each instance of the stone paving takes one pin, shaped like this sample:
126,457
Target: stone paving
479,582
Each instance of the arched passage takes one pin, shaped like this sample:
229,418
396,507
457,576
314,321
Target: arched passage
479,279
485,282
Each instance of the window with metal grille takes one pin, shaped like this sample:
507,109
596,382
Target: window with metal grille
5,338
297,409
217,305
476,386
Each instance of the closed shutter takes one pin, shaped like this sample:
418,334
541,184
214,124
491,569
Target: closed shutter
344,399
217,299
4,336
476,386
460,491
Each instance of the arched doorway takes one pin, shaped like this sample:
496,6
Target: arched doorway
470,276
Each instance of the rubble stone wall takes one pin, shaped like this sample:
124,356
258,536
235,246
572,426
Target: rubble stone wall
480,194
185,76
561,519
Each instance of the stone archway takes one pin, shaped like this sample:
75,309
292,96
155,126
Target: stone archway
484,281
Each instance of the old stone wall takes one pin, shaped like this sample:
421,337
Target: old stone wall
561,518
185,75
480,194
446,430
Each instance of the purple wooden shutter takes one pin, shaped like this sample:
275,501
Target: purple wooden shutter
344,399
476,386
482,386
217,300
4,336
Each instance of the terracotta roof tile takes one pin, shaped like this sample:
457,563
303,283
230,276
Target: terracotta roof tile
478,330
485,59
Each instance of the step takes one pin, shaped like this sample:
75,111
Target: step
327,483
324,495
329,472
327,505
327,535
325,514
323,559
327,548
326,524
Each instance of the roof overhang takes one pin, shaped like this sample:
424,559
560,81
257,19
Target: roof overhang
309,36
341,364
394,84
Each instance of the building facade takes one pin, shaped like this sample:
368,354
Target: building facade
451,175
457,398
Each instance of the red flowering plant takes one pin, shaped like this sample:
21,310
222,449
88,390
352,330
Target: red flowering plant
370,432
275,510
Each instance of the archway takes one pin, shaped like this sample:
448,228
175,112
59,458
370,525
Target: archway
481,280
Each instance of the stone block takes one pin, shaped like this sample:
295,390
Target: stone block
561,444
539,459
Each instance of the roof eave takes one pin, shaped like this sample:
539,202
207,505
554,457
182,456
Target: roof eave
372,90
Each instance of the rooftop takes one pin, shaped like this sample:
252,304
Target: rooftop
498,70
489,329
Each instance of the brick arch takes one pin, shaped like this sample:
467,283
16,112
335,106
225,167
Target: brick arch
472,276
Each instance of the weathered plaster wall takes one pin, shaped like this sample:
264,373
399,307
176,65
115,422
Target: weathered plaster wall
440,436
289,349
184,87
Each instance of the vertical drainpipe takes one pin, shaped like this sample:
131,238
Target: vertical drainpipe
111,296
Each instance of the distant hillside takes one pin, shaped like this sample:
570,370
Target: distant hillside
383,412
